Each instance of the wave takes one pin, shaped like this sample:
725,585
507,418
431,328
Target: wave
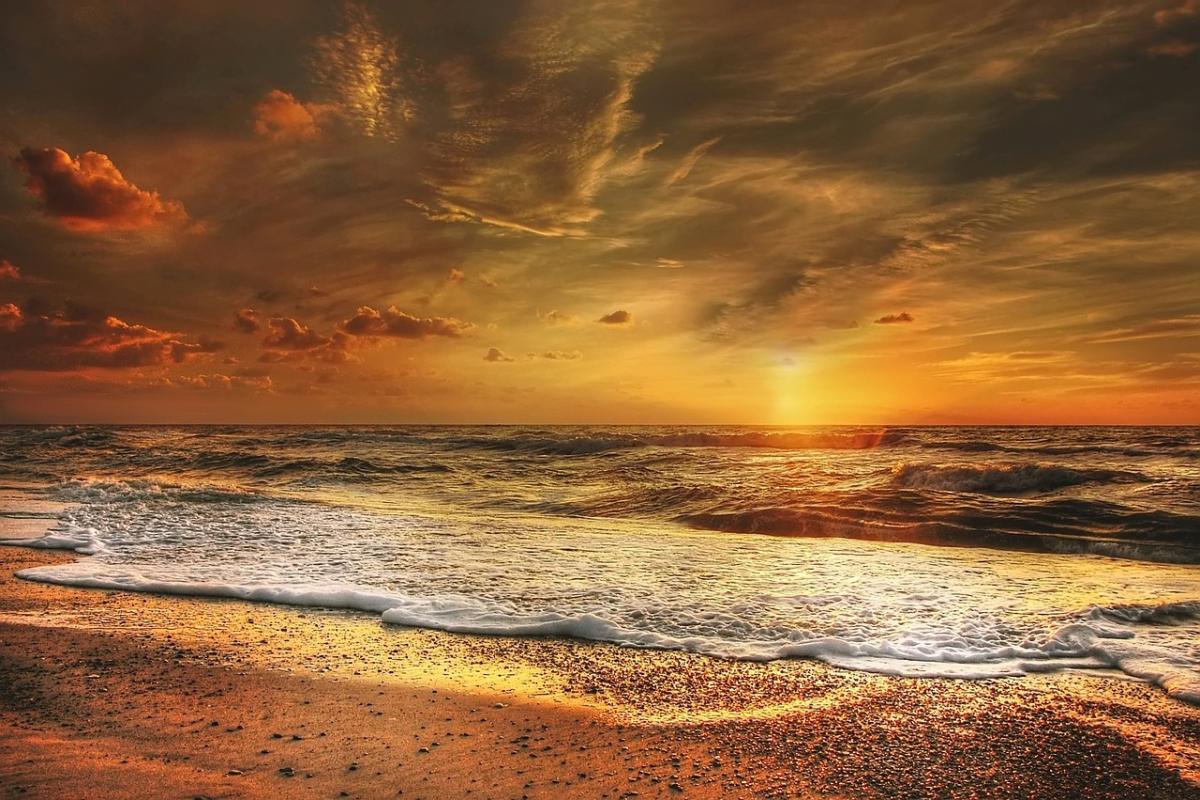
1003,478
1178,448
97,491
260,465
1093,642
1093,529
649,501
591,445
72,436
364,467
344,467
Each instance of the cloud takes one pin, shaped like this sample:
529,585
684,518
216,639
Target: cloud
556,317
281,117
285,333
1023,365
8,271
892,319
689,161
620,317
456,276
261,383
528,147
1167,16
558,355
495,355
246,320
89,193
1176,48
288,339
180,351
396,323
359,67
39,338
1181,327
11,317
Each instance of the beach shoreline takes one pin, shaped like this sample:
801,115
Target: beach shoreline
118,694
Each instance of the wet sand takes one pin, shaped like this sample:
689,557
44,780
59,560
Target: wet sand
119,695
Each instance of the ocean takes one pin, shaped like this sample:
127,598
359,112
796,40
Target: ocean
929,551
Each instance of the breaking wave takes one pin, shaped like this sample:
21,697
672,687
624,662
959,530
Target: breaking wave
1097,638
1004,478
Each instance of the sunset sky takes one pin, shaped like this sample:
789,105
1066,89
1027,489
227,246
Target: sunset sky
600,211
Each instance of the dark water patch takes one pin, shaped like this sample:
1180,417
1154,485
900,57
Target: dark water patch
963,531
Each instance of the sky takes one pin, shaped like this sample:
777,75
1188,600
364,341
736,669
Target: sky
600,211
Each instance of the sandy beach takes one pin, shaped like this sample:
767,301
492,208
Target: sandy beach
110,694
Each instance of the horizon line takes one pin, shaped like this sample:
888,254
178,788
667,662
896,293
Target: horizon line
605,424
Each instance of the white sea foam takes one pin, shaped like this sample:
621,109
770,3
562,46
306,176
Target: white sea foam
1074,646
906,610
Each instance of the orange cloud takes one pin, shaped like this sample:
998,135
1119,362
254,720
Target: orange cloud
282,118
394,322
11,317
222,382
1168,15
89,193
291,340
288,334
620,317
42,339
892,319
9,271
1176,48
